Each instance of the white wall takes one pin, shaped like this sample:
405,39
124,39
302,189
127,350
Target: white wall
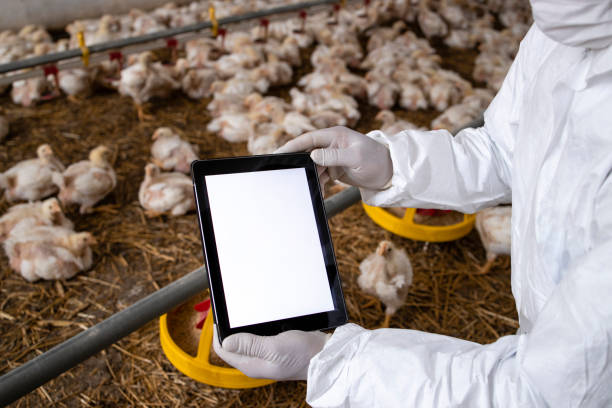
56,14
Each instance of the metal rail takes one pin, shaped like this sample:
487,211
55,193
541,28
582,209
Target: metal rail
160,35
36,372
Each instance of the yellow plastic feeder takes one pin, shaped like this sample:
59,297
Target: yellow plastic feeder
407,228
199,367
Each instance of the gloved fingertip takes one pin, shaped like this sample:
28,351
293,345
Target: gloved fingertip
230,344
317,156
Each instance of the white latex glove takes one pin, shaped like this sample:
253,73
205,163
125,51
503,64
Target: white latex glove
285,356
345,155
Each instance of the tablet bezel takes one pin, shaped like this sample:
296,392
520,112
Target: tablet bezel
319,321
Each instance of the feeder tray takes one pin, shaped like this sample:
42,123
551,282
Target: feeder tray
199,367
407,228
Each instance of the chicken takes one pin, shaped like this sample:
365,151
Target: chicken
27,92
266,138
48,252
165,193
494,227
76,83
4,127
391,125
379,36
232,126
386,274
46,212
170,152
412,97
294,124
88,181
382,92
196,83
32,179
431,23
145,80
268,109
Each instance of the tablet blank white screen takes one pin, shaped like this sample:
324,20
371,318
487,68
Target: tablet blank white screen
269,250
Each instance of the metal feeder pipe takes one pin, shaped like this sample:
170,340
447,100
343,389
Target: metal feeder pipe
125,42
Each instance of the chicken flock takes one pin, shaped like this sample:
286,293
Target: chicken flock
396,66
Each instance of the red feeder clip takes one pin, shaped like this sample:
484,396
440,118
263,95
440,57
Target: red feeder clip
222,32
203,308
171,42
116,56
51,69
264,22
303,16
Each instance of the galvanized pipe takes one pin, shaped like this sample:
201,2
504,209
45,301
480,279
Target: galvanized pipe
36,372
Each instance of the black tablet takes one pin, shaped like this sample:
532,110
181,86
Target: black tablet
267,246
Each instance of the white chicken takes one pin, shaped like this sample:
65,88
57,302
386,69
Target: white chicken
32,179
379,36
88,181
386,274
170,152
165,193
412,97
76,83
48,252
27,92
494,227
196,83
232,126
46,212
266,138
294,124
430,22
145,80
391,125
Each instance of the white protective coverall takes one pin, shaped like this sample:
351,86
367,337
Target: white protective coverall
546,146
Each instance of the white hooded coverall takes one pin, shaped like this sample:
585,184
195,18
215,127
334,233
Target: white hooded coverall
546,146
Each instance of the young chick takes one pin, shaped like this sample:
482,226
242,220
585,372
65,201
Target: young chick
46,212
294,124
145,80
386,274
494,227
165,193
391,125
88,181
76,83
170,152
267,138
196,83
48,252
27,92
430,22
32,179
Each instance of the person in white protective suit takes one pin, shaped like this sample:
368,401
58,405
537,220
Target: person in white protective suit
546,146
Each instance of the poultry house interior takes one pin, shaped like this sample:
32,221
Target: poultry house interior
440,70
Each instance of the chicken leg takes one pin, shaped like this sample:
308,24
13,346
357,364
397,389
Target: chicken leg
484,269
386,322
142,117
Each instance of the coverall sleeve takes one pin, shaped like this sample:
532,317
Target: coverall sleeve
467,172
565,361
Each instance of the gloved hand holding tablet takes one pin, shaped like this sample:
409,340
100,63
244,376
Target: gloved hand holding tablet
267,246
